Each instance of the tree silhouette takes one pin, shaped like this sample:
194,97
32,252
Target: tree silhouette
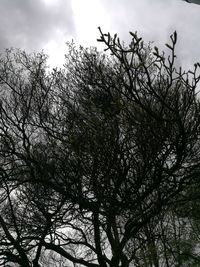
95,157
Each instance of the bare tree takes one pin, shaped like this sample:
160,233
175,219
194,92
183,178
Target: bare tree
93,156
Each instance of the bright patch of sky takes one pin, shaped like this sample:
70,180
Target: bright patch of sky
88,15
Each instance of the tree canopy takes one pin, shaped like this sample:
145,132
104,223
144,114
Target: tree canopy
99,160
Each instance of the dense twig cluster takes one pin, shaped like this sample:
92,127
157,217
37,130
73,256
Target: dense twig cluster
95,157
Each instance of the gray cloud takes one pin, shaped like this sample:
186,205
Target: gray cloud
30,24
156,20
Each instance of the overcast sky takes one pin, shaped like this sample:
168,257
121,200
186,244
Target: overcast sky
49,24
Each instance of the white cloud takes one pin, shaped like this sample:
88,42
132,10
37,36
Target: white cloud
88,15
